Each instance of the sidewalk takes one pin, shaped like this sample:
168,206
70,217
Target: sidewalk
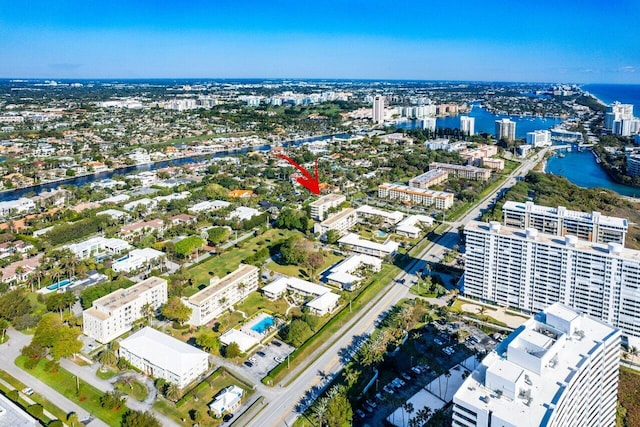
29,400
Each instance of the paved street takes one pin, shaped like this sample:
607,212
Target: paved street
8,353
281,411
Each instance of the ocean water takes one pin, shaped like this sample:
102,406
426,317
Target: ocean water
608,93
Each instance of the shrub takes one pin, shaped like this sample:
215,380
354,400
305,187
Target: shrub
35,410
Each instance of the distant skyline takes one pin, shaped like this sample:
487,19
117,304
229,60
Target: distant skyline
544,41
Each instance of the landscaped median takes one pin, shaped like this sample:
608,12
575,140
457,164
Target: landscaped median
363,297
35,397
74,389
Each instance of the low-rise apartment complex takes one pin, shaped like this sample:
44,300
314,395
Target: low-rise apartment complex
221,294
114,314
463,171
161,356
419,196
429,178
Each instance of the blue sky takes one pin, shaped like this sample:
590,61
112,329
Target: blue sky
549,41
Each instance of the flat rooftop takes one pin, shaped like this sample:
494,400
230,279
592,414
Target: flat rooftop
568,213
329,198
338,217
429,175
545,389
414,190
241,272
121,297
600,249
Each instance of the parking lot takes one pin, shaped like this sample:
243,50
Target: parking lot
265,359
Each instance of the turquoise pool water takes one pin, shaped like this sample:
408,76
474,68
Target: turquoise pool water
380,233
263,325
60,284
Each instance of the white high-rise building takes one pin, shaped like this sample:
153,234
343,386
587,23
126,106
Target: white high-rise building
561,221
378,109
467,125
539,138
619,118
559,369
532,270
505,129
428,123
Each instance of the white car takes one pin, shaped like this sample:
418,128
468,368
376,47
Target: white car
28,391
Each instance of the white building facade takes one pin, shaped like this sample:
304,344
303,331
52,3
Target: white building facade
559,369
114,314
221,294
161,356
531,270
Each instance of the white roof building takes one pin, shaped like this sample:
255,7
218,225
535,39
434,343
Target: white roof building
390,217
244,341
355,243
558,369
97,246
148,204
161,356
227,400
343,274
320,207
114,213
408,227
209,205
242,213
325,305
119,198
11,415
137,259
13,207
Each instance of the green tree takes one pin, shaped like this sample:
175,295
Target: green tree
332,236
133,418
232,350
174,309
73,420
172,391
207,340
298,332
315,260
339,411
186,247
295,250
217,235
14,304
111,399
67,343
107,357
60,300
4,325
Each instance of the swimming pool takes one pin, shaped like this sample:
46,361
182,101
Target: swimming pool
60,284
264,324
381,234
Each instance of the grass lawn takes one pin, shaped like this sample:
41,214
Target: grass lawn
137,390
422,292
107,373
202,395
628,397
59,413
302,273
255,302
65,383
229,260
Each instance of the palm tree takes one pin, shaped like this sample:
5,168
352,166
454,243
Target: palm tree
127,380
107,358
73,420
320,410
242,287
172,392
38,274
56,271
350,375
147,311
408,408
633,351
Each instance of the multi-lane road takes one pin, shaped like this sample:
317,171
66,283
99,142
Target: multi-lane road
280,409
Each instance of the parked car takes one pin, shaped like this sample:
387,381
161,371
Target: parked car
276,343
278,359
437,341
406,376
227,418
371,403
28,391
368,408
359,413
417,370
261,354
379,397
248,364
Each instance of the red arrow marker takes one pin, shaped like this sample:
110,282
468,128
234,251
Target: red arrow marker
312,183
